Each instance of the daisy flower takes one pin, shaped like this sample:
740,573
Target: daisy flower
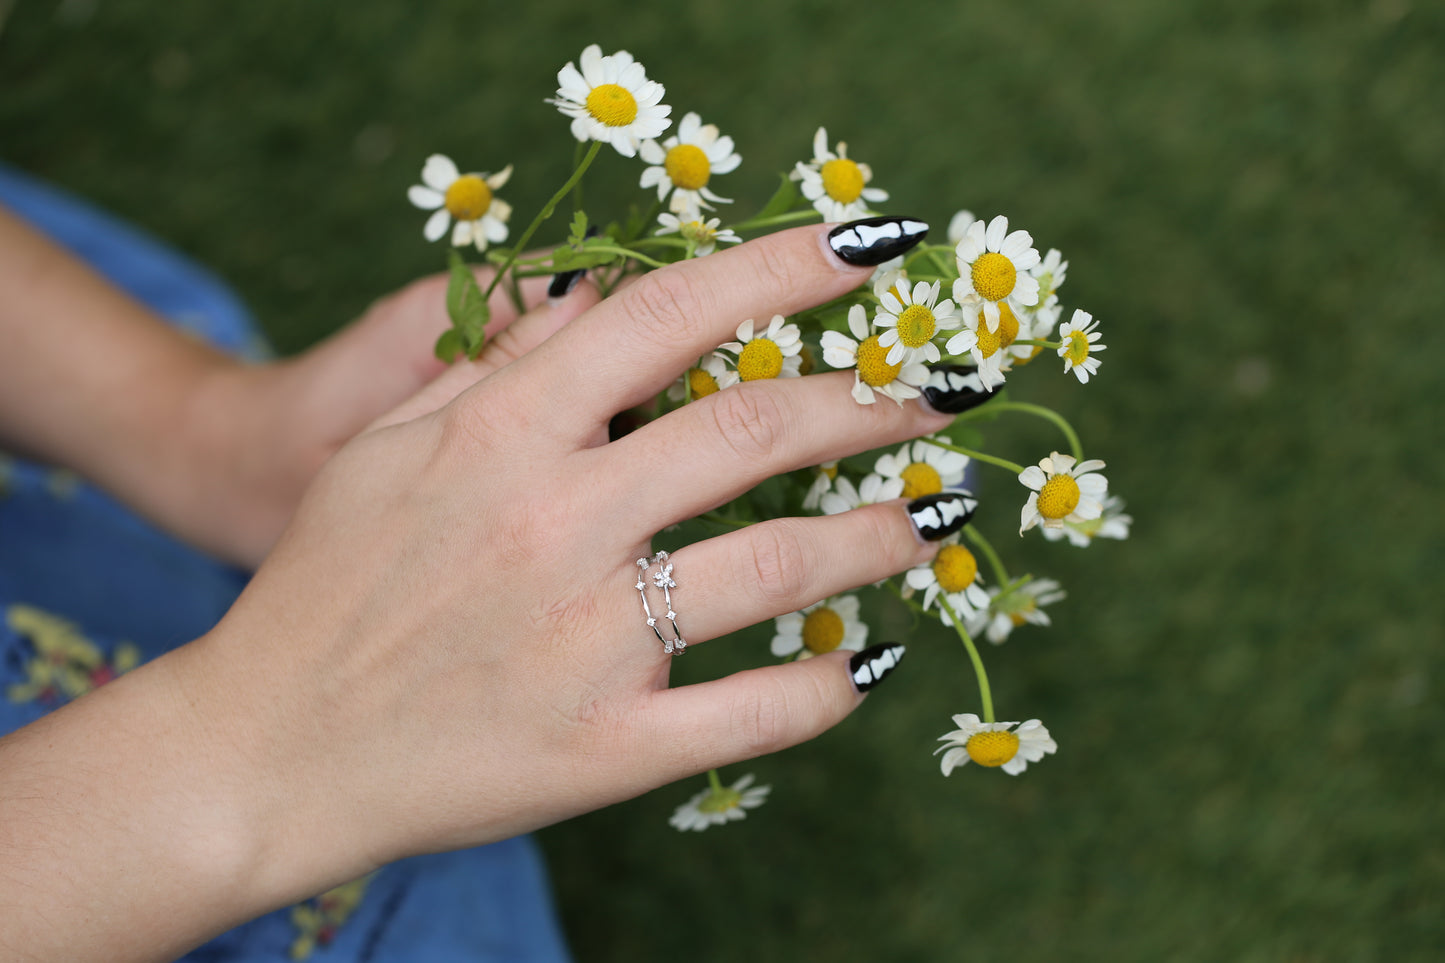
1034,325
821,485
1080,337
481,216
710,375
1113,523
704,234
912,319
873,489
991,350
954,573
610,99
685,163
772,354
1050,273
719,804
924,469
872,372
995,744
993,268
822,627
836,185
1019,605
958,225
887,275
1062,492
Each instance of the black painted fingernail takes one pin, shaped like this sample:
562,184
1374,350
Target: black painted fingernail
939,516
563,282
952,388
873,664
873,240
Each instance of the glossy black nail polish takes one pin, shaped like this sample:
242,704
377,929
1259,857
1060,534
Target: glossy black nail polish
953,388
873,240
939,516
873,664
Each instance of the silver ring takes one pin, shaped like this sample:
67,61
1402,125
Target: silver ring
661,579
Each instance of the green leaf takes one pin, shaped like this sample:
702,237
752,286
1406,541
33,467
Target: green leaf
449,345
465,305
782,200
579,228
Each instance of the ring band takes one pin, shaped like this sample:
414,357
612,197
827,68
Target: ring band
662,579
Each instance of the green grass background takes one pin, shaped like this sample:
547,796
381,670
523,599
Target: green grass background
1247,695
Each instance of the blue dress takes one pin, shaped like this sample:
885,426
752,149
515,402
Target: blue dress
88,591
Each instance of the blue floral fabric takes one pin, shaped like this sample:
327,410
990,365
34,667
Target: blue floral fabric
88,591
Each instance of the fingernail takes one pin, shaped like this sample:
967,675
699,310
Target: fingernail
874,664
952,388
873,240
563,282
939,516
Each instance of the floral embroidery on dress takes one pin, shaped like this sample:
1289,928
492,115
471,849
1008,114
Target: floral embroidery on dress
65,664
318,919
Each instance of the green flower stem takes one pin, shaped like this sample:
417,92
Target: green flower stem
543,214
629,253
1039,411
660,242
1040,344
984,692
999,572
981,456
715,781
792,217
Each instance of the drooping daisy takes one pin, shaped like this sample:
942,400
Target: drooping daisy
990,349
1008,745
836,184
913,318
1010,608
993,268
1113,523
958,225
954,573
887,275
820,628
703,233
686,162
874,488
1080,337
610,99
821,486
1034,325
924,469
774,353
710,375
481,216
872,372
1062,492
1050,272
724,804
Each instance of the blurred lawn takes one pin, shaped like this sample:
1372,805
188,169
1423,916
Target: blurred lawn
1246,695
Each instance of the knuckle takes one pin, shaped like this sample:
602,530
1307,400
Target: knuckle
762,719
774,272
749,422
780,564
881,536
665,306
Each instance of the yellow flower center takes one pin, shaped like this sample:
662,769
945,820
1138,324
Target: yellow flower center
1008,326
822,630
992,749
760,358
989,341
873,367
700,382
919,479
1078,347
696,231
915,326
843,180
687,166
955,568
612,104
831,470
993,276
723,800
468,198
1060,495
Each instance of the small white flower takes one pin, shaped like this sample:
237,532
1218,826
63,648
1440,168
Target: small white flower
710,375
993,268
872,372
1051,272
821,486
610,99
703,233
990,349
714,807
822,627
954,574
481,216
913,318
1062,492
995,744
958,225
686,162
924,469
887,275
1113,523
871,490
1080,337
835,184
773,353
1020,605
